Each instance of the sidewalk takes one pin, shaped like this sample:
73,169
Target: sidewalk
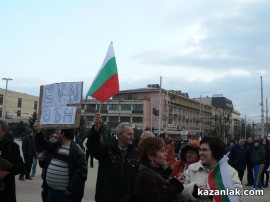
30,190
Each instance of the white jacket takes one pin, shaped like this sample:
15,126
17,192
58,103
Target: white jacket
196,173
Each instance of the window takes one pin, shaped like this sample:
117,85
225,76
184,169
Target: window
19,102
138,107
125,107
91,106
103,106
137,119
35,105
124,119
19,113
1,112
113,118
113,107
1,100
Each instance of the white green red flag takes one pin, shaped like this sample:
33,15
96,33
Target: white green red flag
220,178
106,83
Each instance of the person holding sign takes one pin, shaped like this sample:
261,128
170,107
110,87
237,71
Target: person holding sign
118,164
67,170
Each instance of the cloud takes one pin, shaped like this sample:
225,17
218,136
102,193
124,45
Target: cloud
228,37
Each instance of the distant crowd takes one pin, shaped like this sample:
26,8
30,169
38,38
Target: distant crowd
154,170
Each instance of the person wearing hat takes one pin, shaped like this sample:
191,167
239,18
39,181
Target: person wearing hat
189,154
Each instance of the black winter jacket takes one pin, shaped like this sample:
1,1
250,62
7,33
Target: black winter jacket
77,166
28,146
115,173
238,157
10,151
257,155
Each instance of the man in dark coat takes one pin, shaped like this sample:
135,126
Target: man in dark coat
118,164
67,169
29,152
12,164
238,158
249,164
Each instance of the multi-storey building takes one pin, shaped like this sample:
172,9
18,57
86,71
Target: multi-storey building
146,108
227,120
15,106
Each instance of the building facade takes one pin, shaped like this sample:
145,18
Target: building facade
227,119
172,112
16,107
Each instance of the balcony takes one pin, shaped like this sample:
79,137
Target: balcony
93,111
137,112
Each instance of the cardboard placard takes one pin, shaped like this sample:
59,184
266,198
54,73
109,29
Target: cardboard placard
60,105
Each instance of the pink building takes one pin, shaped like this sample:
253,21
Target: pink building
179,115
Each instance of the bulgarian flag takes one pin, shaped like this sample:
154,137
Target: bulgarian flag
106,83
220,178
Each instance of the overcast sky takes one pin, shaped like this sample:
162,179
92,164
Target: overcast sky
201,47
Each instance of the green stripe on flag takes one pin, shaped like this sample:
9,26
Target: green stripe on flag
106,72
219,183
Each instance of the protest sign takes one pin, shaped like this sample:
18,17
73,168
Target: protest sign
60,105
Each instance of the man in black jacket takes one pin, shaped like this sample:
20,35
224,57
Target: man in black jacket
29,152
11,164
69,160
238,157
118,163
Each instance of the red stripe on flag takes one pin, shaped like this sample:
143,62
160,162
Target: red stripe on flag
212,184
108,89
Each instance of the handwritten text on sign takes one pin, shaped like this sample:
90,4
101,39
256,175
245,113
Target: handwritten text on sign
55,99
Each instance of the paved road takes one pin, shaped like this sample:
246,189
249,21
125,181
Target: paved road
29,190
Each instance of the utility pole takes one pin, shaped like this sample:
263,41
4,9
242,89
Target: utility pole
151,114
253,127
5,100
167,109
266,119
245,127
159,108
200,113
262,111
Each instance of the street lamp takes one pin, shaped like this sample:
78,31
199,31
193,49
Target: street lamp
4,111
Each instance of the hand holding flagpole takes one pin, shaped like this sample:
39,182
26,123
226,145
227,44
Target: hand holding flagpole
106,82
97,121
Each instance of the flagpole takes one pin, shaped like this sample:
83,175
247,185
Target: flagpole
159,108
99,108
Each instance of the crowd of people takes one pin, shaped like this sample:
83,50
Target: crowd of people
152,171
252,156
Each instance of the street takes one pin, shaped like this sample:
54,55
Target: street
30,190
